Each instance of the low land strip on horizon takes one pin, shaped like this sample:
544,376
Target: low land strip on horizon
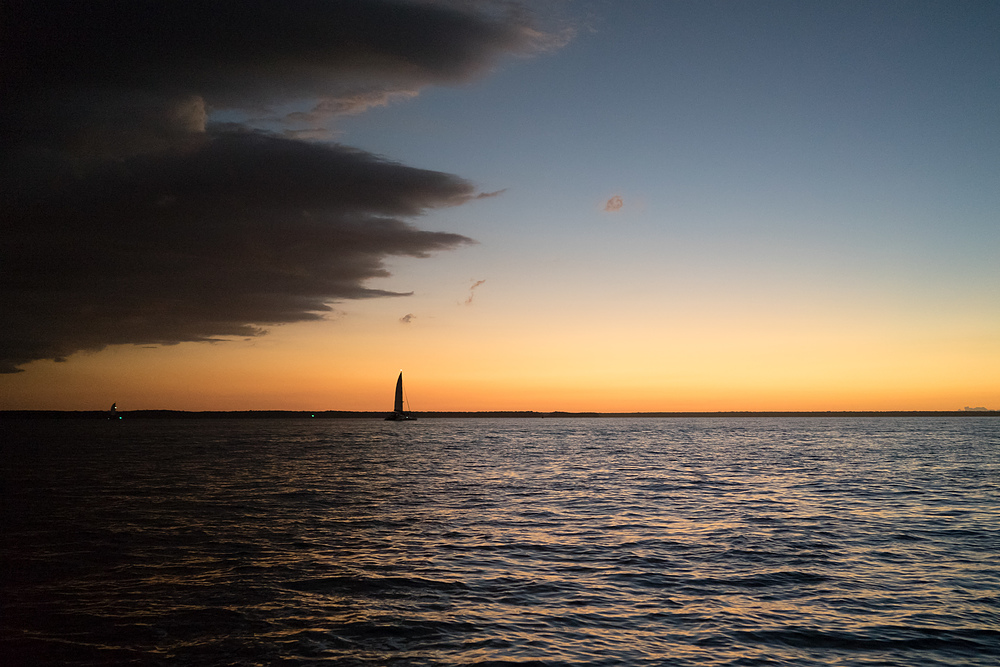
512,414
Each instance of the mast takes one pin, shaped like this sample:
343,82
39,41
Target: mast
398,405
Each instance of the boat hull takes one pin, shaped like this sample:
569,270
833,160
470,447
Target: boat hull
399,417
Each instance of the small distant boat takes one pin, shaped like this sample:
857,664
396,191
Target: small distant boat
398,414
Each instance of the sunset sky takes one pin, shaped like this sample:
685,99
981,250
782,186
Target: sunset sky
567,205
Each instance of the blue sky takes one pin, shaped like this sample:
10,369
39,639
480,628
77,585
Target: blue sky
845,142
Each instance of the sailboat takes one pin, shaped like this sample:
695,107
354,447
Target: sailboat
398,415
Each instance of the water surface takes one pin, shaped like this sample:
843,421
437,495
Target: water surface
728,541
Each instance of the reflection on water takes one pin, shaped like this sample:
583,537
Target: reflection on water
841,541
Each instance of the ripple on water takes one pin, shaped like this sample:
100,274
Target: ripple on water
459,542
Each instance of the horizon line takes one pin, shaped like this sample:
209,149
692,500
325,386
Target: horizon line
445,414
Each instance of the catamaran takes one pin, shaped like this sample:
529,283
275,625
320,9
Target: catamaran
398,415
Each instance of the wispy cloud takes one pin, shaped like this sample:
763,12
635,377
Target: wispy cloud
472,291
349,104
488,195
129,217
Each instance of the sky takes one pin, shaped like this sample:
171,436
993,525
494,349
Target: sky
575,205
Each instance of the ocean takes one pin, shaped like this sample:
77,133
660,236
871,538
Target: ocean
562,541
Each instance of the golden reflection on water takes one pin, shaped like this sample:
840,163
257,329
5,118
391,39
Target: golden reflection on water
457,542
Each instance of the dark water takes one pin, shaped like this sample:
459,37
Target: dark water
841,541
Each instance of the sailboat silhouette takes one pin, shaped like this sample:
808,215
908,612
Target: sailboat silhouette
398,414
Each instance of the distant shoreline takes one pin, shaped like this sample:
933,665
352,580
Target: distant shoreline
343,414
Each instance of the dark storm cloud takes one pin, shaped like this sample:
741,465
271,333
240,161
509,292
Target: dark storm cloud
69,64
128,218
241,231
235,48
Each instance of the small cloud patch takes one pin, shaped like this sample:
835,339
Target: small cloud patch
472,291
614,204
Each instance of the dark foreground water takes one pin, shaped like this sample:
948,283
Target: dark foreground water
757,541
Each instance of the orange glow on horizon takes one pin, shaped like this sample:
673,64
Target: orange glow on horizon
222,377
465,359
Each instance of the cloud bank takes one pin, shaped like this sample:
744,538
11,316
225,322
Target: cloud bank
129,217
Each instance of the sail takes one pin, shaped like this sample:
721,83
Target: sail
397,414
398,405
